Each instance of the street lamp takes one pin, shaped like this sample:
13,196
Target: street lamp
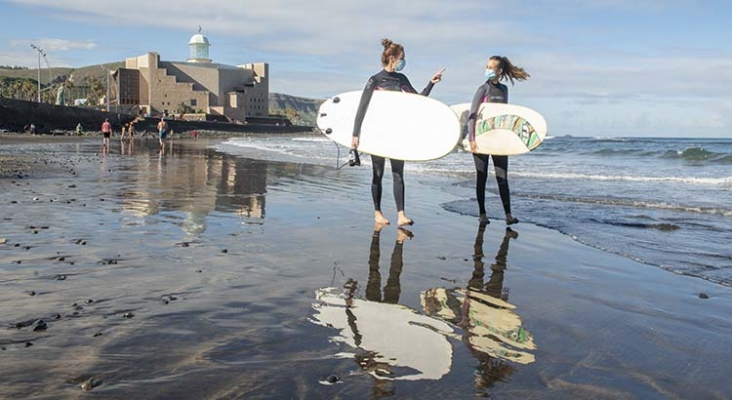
40,53
106,69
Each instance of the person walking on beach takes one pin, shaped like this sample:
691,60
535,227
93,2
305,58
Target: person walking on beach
79,129
498,69
106,132
162,131
392,59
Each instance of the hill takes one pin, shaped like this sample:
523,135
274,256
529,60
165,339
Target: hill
51,74
306,110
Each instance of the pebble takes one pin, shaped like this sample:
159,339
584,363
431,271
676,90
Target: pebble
88,384
224,251
128,315
703,296
30,293
28,344
40,325
330,380
60,277
98,334
89,301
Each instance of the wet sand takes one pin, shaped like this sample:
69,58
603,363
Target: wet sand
196,274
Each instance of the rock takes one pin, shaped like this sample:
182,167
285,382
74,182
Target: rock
703,296
330,380
224,251
30,293
39,325
89,301
98,334
28,344
89,384
60,277
128,315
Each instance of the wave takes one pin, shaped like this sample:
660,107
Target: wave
725,212
660,226
614,152
690,154
726,181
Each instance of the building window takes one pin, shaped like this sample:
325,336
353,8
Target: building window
194,103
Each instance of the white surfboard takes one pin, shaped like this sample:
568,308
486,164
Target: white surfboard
398,336
402,126
503,129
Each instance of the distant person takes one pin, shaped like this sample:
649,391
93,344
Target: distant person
392,58
79,129
131,130
162,131
106,132
32,128
498,69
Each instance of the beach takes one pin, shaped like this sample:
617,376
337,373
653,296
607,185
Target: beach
198,273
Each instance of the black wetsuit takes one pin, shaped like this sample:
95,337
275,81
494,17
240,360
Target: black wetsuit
393,81
489,93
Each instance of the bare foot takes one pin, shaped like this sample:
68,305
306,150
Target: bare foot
377,228
380,219
403,234
483,219
510,219
403,220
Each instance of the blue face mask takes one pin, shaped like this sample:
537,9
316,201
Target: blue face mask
490,74
401,64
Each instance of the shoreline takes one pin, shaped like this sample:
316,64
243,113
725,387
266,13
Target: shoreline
216,261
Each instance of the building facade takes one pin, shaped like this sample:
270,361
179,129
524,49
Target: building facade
167,87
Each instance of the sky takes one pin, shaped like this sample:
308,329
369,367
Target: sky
600,68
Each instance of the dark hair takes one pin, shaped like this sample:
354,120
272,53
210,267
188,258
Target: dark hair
510,71
390,49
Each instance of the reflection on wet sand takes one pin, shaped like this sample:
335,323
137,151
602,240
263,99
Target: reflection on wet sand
392,342
206,182
492,331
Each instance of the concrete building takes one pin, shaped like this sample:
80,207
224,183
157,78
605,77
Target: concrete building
167,87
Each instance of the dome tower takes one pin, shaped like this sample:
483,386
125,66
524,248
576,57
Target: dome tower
198,46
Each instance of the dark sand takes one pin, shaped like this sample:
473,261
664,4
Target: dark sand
193,275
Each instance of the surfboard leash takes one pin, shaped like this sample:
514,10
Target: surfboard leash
354,158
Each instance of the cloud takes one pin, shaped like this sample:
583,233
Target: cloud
612,63
55,44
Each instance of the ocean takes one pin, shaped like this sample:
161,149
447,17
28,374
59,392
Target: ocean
664,202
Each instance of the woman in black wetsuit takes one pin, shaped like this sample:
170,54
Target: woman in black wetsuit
389,78
499,68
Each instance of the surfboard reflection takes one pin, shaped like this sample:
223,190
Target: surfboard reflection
392,341
492,331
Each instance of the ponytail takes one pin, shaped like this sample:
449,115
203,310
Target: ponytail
509,71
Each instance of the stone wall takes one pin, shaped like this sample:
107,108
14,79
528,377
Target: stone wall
15,114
